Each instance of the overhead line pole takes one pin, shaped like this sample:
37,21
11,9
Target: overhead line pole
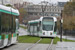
61,21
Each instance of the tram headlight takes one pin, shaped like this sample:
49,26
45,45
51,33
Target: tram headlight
43,33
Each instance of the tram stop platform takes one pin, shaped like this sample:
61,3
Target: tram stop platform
65,46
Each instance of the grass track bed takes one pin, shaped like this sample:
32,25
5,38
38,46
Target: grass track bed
45,41
32,39
28,39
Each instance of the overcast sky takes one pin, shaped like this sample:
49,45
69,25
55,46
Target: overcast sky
52,1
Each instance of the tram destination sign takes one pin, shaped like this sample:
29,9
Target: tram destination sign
48,19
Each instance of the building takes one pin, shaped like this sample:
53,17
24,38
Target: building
61,4
4,2
21,5
50,10
12,2
16,1
72,0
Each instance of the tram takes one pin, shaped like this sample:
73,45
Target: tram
9,25
43,27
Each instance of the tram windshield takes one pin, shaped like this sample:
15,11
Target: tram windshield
48,27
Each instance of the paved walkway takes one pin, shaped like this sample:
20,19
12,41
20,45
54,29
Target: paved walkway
65,46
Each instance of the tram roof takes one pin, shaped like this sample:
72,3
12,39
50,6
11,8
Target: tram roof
9,10
37,21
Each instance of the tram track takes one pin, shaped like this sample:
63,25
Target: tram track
33,44
50,45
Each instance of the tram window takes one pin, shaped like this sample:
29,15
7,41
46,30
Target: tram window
29,28
0,22
35,29
10,26
38,29
17,24
4,22
55,28
9,23
14,24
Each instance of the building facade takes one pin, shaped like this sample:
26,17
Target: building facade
50,10
21,5
72,0
61,4
4,2
16,1
12,2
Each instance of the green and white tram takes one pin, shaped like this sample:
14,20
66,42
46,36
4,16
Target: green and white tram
43,27
8,25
